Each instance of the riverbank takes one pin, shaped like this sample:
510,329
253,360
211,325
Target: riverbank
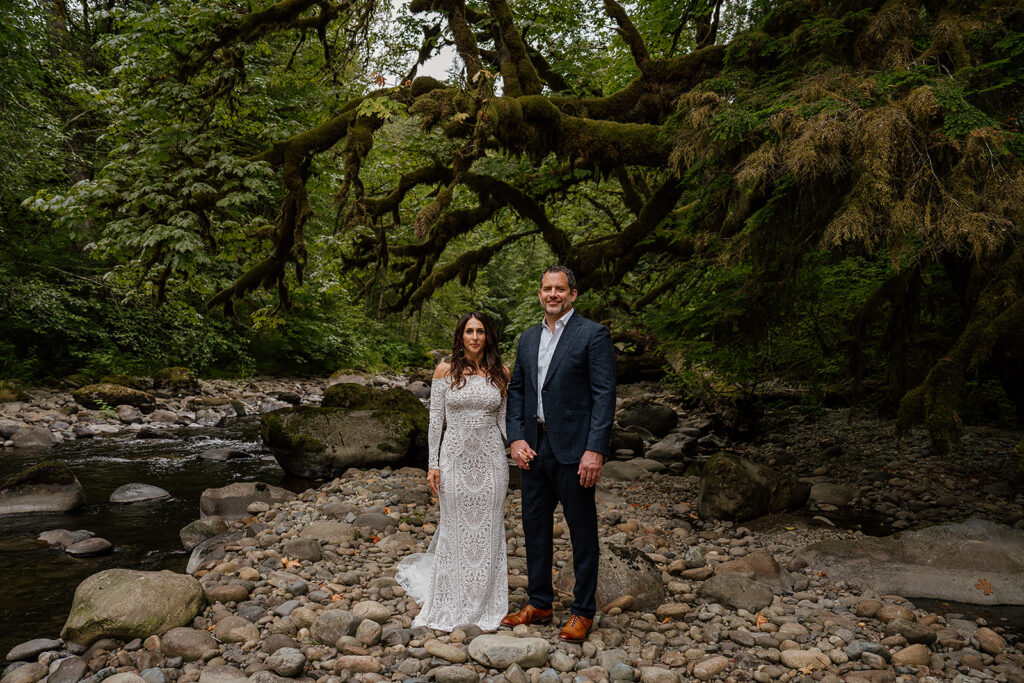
272,587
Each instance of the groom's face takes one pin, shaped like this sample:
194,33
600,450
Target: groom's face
555,295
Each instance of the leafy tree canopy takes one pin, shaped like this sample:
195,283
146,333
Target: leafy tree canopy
716,169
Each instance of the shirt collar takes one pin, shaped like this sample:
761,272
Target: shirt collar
561,322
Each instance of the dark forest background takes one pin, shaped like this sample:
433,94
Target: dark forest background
765,200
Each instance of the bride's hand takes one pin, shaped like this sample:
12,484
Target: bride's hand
434,480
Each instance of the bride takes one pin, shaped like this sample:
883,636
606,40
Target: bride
463,578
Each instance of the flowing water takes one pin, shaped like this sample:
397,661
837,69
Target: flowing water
37,582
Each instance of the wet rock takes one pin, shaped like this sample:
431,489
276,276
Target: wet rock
734,488
913,632
621,571
124,603
305,549
90,547
26,673
912,655
709,667
333,624
759,565
71,670
989,641
455,674
655,418
175,381
135,493
223,455
33,436
316,442
942,562
231,501
501,651
805,659
737,591
831,494
329,532
286,661
374,611
624,470
48,486
100,396
194,533
31,648
357,664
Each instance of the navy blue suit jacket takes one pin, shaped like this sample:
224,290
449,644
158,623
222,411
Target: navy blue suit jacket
579,391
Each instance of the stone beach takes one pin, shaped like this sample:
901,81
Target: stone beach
301,587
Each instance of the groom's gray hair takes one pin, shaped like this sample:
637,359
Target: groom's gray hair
561,269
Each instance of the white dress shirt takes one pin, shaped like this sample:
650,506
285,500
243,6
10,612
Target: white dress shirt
546,349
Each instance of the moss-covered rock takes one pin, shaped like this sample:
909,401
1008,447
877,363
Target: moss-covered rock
101,396
139,383
49,486
46,472
360,397
126,604
737,489
320,442
10,390
175,380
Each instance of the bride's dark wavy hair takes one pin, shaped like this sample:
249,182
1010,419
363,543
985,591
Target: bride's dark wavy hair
491,356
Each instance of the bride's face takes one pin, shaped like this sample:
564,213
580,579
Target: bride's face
474,337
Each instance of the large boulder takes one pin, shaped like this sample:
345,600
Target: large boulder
735,488
126,604
108,396
321,443
654,417
230,502
621,571
175,381
49,486
976,561
140,383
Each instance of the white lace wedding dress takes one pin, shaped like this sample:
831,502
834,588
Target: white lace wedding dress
463,576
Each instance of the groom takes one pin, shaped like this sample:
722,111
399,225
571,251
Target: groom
561,403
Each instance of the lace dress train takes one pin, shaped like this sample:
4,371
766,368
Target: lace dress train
463,576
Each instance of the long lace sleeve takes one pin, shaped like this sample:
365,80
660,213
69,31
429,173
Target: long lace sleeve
501,417
438,389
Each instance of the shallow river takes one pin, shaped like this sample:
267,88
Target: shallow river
37,583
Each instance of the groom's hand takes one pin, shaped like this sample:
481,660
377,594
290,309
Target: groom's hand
590,468
522,454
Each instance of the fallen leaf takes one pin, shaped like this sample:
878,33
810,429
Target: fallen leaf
761,619
984,586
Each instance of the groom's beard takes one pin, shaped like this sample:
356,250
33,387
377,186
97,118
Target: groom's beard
557,308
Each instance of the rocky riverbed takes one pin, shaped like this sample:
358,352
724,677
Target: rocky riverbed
303,588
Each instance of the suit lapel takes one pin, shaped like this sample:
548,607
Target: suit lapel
530,349
564,342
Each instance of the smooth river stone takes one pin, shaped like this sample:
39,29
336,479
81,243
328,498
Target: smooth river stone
30,648
90,547
500,651
137,493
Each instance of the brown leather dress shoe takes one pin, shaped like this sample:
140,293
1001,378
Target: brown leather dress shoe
527,615
576,629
